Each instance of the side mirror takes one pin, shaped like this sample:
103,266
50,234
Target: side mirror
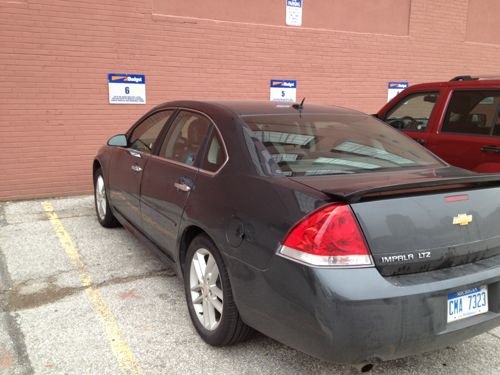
119,140
430,98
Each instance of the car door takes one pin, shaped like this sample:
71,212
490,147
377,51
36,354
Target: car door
469,136
128,163
170,178
415,114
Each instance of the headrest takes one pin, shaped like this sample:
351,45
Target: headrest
196,131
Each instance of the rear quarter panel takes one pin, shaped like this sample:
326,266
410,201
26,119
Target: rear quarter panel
248,216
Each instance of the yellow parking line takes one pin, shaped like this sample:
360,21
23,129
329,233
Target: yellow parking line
121,351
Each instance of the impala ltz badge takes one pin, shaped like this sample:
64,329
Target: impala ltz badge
462,219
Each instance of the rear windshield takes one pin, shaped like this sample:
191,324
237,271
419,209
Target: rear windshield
323,144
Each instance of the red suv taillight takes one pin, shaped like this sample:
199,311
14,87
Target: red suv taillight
328,237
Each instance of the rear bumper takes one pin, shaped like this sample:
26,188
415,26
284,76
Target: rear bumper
356,315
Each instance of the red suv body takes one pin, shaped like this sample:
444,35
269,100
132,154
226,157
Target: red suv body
457,120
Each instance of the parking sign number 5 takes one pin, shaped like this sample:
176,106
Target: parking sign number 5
127,90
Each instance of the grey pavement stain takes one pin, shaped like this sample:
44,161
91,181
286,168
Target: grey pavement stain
13,329
16,300
3,220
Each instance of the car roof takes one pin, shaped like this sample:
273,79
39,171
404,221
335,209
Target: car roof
469,83
259,107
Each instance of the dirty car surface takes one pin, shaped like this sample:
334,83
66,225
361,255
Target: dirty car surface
318,226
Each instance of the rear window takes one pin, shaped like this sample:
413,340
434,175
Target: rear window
317,144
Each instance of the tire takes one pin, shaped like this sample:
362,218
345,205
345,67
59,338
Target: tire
102,208
209,297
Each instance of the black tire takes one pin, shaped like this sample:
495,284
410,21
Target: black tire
106,217
230,328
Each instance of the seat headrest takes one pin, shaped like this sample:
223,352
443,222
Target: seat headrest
196,131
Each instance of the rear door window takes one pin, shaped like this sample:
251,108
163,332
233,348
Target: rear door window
473,112
185,138
412,113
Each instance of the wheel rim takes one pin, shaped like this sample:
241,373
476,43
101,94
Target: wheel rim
206,289
100,198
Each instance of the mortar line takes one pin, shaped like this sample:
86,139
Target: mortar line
116,339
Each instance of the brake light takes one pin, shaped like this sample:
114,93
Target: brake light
330,237
456,198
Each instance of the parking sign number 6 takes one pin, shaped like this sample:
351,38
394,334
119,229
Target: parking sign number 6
127,90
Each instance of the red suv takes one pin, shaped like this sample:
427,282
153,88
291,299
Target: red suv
457,120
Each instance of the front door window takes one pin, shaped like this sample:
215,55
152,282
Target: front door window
145,134
413,112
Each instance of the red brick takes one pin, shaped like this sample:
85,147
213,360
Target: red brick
55,56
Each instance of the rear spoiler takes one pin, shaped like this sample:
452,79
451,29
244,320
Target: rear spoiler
416,188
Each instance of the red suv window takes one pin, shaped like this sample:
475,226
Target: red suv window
412,113
473,112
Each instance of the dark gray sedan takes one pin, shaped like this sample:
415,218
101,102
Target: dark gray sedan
318,226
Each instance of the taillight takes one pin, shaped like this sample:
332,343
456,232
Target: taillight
328,237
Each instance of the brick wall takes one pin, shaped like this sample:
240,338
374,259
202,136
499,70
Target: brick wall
55,56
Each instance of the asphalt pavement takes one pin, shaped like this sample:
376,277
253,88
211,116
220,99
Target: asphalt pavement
76,298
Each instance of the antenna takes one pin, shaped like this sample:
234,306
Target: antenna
299,107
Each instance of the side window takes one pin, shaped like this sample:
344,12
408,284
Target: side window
473,112
215,155
413,112
144,135
185,138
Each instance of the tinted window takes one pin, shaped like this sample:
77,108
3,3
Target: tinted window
185,138
144,135
413,112
472,112
215,155
329,144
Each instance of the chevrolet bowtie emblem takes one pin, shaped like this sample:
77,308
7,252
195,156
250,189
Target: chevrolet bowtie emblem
462,219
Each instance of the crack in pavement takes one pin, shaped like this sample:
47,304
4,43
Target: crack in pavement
3,220
11,318
29,281
494,335
38,219
36,216
17,301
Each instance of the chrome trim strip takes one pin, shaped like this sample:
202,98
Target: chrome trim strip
311,260
187,166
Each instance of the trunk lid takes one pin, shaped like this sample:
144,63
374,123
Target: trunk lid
416,222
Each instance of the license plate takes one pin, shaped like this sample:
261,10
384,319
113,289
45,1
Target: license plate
467,303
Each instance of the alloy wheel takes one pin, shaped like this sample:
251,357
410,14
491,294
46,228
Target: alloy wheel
206,289
100,197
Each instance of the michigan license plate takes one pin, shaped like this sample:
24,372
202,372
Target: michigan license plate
467,303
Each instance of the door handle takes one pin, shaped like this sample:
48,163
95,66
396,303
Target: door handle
490,148
136,168
135,154
182,187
